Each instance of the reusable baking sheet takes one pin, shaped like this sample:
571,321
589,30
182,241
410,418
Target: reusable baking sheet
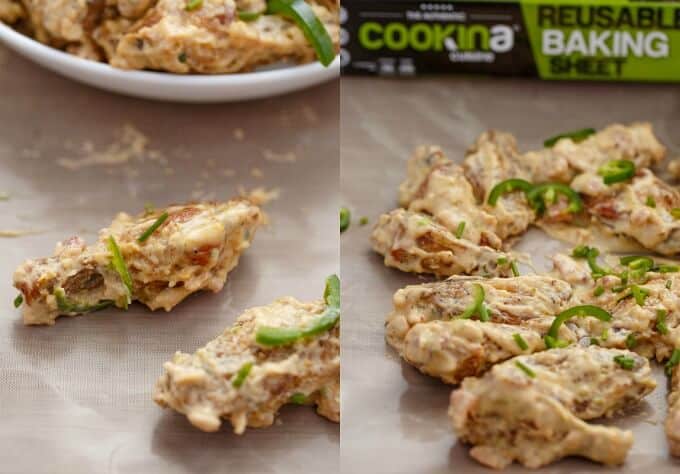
76,397
394,418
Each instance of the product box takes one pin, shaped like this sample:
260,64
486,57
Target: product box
561,39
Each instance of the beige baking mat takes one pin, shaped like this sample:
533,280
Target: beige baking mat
76,397
394,418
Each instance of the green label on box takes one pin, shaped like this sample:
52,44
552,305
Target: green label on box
573,39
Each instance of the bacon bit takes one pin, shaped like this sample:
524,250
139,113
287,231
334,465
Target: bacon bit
400,255
201,255
183,215
606,209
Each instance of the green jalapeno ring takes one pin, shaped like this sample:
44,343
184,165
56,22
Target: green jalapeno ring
552,340
576,136
616,171
508,186
538,194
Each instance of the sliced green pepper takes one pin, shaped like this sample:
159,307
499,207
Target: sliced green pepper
305,18
345,217
626,363
460,229
298,399
616,171
18,300
242,374
119,265
661,321
639,293
539,194
248,16
192,5
525,369
519,340
477,306
67,306
673,361
508,186
576,136
277,336
664,268
552,340
147,233
590,254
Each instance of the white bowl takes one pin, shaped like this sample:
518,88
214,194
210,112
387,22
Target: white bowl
167,86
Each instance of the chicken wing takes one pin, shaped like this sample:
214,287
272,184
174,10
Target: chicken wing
213,39
413,242
193,247
531,301
530,408
492,159
642,208
453,350
635,142
237,378
436,186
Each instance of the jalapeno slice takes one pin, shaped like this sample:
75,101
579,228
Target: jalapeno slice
576,136
616,171
313,29
508,186
282,336
541,193
552,340
590,254
477,306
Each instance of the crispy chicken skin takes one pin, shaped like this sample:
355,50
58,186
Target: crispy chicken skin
623,208
509,415
492,159
193,249
413,242
635,142
528,300
213,39
201,385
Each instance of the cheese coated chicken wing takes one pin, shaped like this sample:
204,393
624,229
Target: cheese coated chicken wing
530,408
567,158
240,378
188,248
414,242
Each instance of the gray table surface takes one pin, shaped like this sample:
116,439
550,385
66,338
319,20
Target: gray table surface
394,418
76,397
